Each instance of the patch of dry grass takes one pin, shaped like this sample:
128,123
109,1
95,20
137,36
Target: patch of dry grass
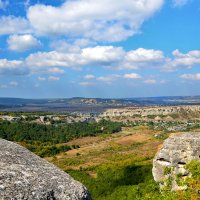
132,142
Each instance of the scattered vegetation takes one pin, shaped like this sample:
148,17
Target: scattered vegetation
117,164
43,139
45,149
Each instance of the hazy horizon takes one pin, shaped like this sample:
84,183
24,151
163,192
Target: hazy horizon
86,97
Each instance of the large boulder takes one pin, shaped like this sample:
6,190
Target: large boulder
25,176
170,162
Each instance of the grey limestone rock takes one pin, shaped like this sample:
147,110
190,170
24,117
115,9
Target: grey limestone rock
25,176
177,151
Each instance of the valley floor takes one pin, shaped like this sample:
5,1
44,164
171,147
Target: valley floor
112,166
117,166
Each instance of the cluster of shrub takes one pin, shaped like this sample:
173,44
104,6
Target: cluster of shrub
46,150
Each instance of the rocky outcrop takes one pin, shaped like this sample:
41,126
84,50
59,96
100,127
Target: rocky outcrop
25,176
157,110
170,162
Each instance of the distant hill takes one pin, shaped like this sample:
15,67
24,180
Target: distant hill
80,104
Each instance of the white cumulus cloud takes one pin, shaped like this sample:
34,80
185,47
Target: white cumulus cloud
97,56
55,70
191,76
132,76
63,46
103,54
109,79
188,60
14,67
142,58
13,25
97,20
109,57
22,42
89,77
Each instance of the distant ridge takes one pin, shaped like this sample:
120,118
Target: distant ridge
81,104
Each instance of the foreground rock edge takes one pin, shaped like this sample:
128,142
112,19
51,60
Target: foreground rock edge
169,164
23,175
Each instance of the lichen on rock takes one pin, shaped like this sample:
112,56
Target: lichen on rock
25,176
169,164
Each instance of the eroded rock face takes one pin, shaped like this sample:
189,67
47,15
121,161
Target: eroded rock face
171,160
25,176
145,111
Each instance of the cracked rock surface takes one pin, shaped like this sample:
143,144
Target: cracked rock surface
177,151
25,176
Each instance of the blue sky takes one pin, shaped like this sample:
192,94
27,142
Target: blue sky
99,48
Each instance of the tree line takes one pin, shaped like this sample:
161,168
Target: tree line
43,139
